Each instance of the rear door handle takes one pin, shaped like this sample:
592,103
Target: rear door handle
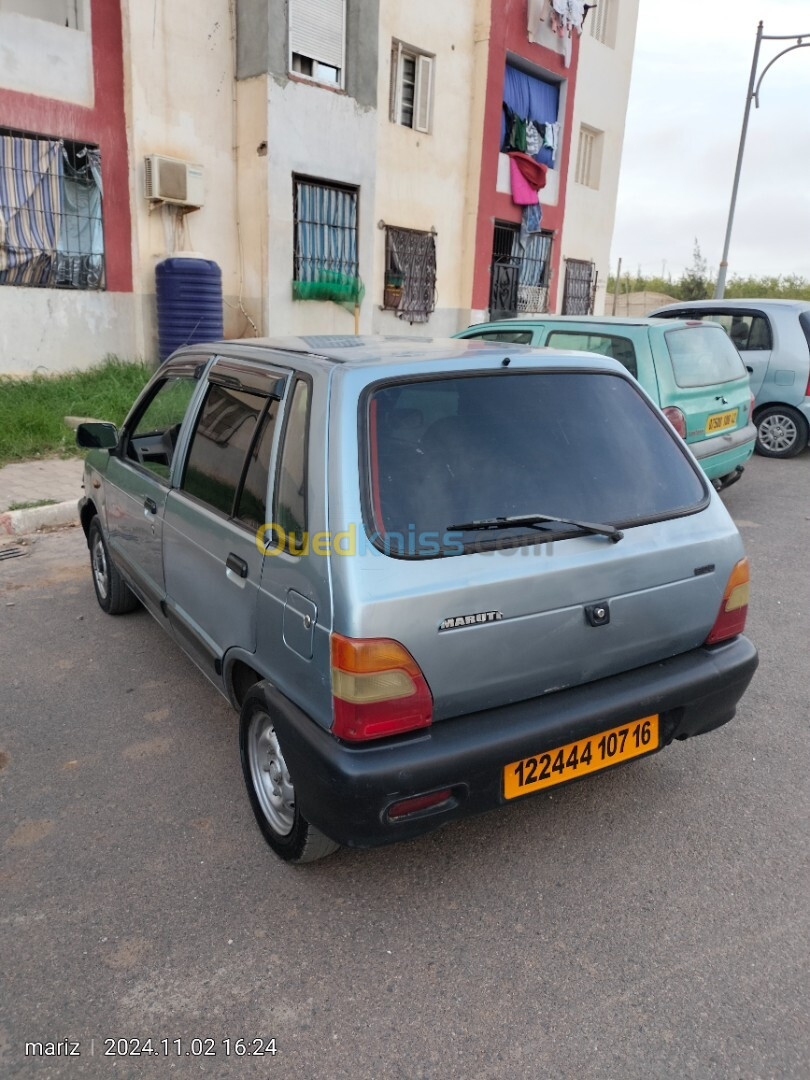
236,565
150,505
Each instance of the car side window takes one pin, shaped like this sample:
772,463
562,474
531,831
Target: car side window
251,509
747,332
220,444
152,441
516,337
291,495
619,348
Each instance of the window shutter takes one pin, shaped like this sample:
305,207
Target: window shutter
317,30
396,92
424,91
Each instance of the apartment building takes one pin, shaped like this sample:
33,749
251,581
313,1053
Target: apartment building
352,160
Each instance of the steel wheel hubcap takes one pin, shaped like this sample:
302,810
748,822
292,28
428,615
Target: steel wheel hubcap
778,432
100,572
271,778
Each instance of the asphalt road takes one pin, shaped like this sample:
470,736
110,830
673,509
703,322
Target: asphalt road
650,922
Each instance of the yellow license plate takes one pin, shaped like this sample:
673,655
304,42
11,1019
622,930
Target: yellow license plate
580,758
721,421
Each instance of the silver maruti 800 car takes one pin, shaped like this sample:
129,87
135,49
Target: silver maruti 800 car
434,577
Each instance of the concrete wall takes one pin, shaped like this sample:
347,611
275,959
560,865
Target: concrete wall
53,330
43,57
422,178
181,91
603,87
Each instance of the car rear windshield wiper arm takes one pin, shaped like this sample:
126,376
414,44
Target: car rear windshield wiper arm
537,519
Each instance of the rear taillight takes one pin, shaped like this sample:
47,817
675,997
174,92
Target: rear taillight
807,389
751,404
731,617
378,689
677,419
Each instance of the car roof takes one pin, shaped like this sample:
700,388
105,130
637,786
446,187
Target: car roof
366,350
763,303
597,320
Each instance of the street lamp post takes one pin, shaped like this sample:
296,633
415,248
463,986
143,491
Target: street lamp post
752,95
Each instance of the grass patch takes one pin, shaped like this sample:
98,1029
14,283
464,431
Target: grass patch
32,410
32,505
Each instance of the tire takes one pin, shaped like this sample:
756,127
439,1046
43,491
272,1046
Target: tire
270,788
112,592
781,432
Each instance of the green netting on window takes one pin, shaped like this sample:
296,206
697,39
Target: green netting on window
345,289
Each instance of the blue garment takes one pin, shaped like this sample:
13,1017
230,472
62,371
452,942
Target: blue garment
529,222
531,99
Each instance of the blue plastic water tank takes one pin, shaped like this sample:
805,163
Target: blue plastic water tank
189,302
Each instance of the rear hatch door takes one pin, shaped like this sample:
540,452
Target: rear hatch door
508,613
702,374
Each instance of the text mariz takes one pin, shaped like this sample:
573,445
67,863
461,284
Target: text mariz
470,620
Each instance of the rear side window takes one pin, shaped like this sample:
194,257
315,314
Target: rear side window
703,356
620,348
514,337
291,485
251,507
219,446
568,444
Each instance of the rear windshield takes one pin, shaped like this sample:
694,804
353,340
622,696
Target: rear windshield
703,356
579,445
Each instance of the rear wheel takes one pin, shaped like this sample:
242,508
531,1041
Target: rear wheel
270,787
781,432
112,592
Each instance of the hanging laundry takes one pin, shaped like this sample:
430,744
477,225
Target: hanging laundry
534,140
530,222
515,136
566,16
527,176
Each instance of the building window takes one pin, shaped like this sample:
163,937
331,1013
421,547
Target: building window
603,22
589,157
529,122
325,242
520,272
318,40
411,87
51,229
62,12
410,273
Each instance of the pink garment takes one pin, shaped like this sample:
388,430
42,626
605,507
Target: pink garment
523,194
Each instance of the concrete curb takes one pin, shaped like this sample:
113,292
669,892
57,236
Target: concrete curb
22,522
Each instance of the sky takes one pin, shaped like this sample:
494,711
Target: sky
690,75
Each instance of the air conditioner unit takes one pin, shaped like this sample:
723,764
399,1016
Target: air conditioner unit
170,180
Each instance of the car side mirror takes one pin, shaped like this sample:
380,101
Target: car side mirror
96,435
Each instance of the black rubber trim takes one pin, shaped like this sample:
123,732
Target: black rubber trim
345,789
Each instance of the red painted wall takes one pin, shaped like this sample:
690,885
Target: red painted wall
104,124
509,33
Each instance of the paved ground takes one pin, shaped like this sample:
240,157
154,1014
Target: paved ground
649,923
52,478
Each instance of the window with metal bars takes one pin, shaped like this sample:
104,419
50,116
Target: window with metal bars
589,157
325,242
410,273
603,22
51,227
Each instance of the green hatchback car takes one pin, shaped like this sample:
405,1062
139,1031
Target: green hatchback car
689,368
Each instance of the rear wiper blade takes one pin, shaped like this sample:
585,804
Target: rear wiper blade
537,519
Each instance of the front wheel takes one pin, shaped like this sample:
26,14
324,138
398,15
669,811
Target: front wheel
270,787
781,432
112,592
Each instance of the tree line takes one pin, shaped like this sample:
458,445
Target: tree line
697,283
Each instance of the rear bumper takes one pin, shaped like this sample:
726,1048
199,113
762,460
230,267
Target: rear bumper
722,454
345,790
